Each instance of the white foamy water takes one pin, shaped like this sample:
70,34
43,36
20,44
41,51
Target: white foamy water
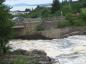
71,50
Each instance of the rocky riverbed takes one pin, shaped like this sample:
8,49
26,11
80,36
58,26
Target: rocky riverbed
70,50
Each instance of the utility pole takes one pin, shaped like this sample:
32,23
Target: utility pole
61,7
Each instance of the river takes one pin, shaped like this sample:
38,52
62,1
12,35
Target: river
70,50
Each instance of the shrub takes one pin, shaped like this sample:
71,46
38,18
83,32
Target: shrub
83,14
63,24
39,28
19,60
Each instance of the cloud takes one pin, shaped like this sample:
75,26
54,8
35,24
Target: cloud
25,4
22,4
14,2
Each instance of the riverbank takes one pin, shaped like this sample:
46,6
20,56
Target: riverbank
33,37
25,57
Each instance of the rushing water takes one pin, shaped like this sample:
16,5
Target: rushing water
71,50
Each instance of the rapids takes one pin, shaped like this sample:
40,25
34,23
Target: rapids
70,50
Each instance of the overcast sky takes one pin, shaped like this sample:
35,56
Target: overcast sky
23,4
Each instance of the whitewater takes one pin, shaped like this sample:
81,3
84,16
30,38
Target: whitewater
70,50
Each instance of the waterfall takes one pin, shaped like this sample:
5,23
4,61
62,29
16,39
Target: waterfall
70,50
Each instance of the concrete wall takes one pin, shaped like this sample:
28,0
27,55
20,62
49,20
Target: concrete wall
30,24
29,27
64,32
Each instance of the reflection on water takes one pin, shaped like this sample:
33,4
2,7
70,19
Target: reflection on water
71,50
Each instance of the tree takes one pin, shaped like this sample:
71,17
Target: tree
5,26
55,6
38,7
82,0
83,14
70,1
27,10
1,1
83,3
65,1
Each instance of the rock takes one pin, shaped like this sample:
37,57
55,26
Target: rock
30,57
19,52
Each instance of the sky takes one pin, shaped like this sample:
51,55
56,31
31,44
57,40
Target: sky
23,4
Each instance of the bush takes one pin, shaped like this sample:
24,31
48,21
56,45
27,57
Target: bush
83,14
75,20
39,28
63,24
19,60
79,22
66,9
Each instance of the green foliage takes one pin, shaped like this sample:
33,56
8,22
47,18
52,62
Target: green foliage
19,60
55,6
1,1
42,12
70,18
27,10
45,13
75,20
38,12
66,9
82,3
82,0
5,27
63,24
83,14
34,13
39,28
76,7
